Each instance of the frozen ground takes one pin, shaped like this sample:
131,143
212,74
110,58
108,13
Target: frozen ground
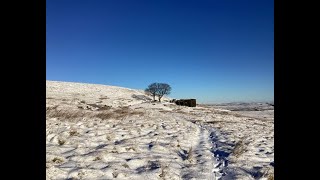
106,132
263,111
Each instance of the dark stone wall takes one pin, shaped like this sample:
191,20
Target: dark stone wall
186,102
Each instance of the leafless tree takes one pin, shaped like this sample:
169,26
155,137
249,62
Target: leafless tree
158,89
152,90
163,89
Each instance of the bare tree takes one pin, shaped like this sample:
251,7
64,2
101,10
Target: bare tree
163,89
158,89
152,90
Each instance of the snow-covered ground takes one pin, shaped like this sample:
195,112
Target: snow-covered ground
107,132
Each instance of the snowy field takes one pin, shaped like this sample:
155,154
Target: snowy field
107,132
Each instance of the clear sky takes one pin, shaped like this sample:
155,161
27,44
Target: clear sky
212,50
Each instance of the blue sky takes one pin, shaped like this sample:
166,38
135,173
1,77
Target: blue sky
212,50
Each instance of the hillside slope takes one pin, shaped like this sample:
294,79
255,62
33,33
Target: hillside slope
106,132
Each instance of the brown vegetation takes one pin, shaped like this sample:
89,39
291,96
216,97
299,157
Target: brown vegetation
108,113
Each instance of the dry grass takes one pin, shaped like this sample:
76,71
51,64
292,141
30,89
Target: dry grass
139,113
109,137
115,174
64,114
121,110
97,158
269,174
164,170
61,142
130,148
104,115
200,109
74,115
190,154
80,107
125,111
73,133
239,149
50,108
217,121
212,122
102,108
222,112
237,115
165,111
181,112
103,98
270,177
117,114
94,105
162,174
125,165
57,160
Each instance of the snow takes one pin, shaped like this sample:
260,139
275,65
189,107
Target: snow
106,132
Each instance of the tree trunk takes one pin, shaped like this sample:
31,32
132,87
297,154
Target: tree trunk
160,98
154,97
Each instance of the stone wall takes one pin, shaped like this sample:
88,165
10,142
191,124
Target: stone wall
186,102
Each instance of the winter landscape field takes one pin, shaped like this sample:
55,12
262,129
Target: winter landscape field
107,132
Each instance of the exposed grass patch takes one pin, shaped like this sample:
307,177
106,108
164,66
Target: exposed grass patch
107,113
270,177
269,174
162,174
64,114
239,149
108,138
114,150
164,111
212,122
57,160
140,113
73,132
125,165
237,115
125,111
116,114
102,98
115,174
222,112
122,110
102,108
94,105
61,142
190,154
97,158
50,108
181,112
130,148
